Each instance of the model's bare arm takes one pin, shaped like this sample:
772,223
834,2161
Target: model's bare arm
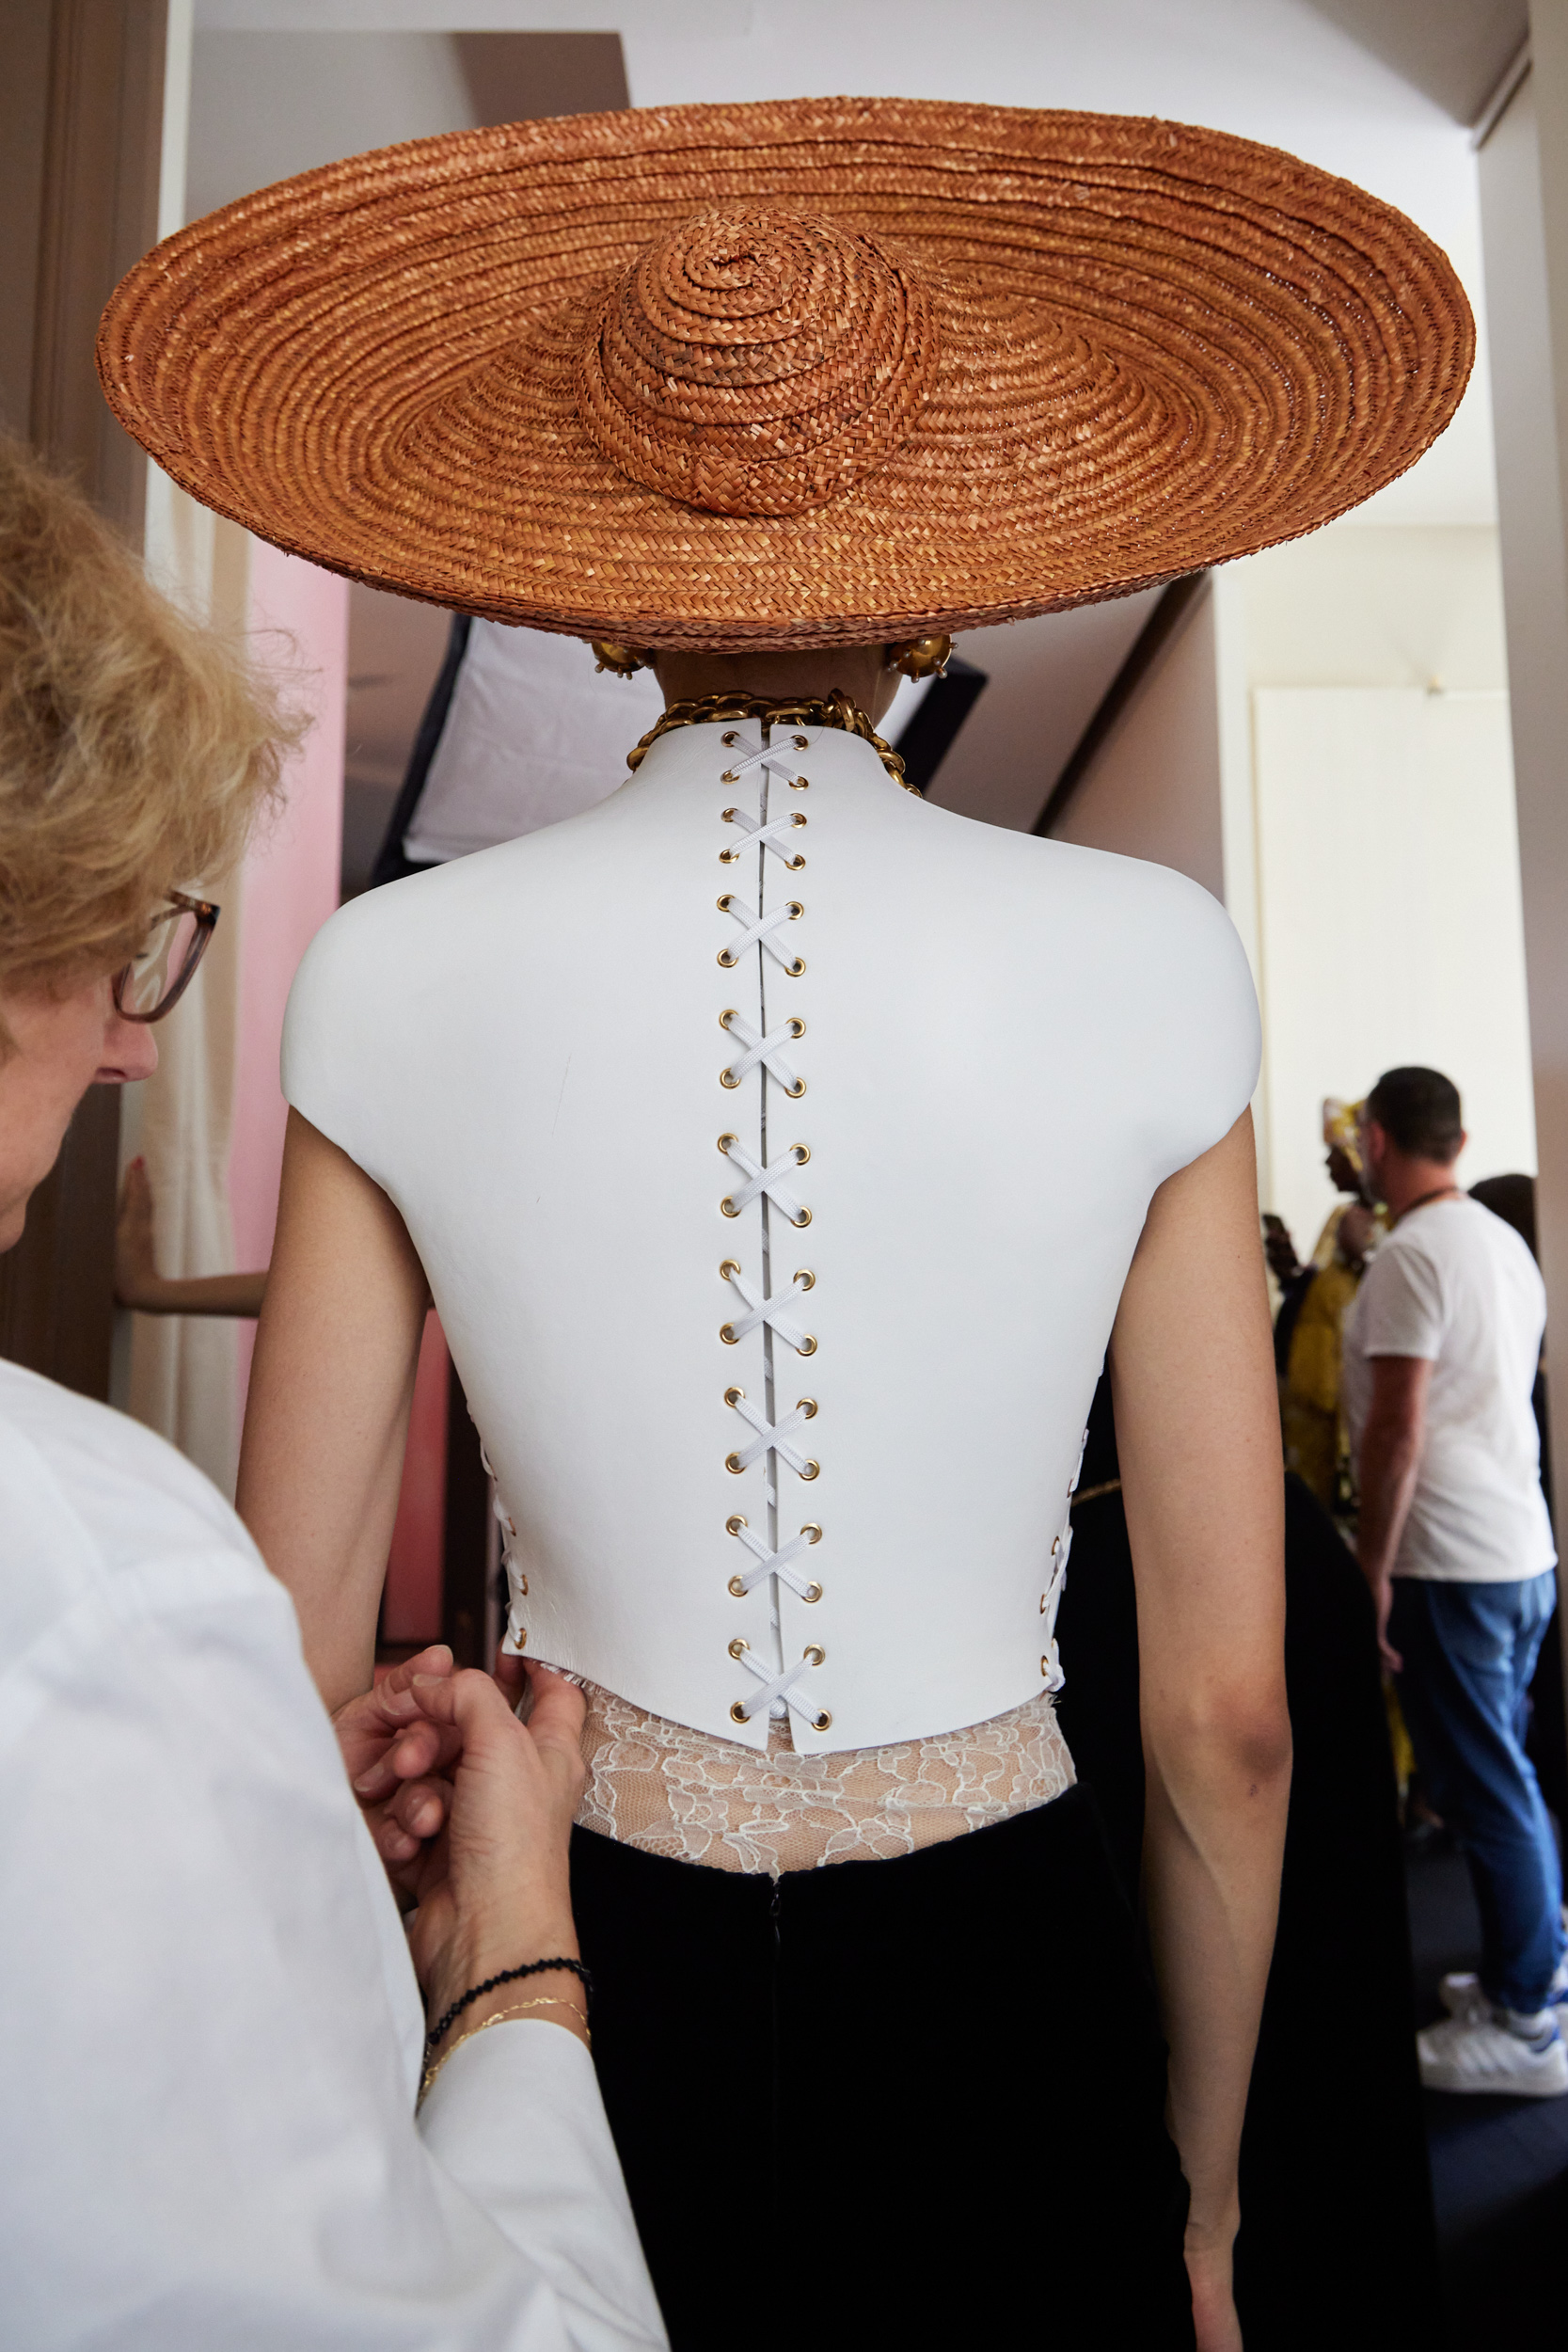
1390,1453
1197,1430
330,1391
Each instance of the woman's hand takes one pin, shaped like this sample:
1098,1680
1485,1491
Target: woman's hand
395,1758
494,1888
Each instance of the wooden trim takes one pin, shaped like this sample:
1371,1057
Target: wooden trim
1151,642
85,80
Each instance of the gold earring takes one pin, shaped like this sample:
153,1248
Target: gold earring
920,657
626,661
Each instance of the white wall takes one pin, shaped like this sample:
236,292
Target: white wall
1154,790
1389,918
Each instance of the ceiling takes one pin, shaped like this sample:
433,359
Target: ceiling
1378,90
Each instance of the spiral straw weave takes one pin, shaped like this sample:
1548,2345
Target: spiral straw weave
814,373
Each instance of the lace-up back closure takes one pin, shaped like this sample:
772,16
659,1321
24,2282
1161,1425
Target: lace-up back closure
778,1250
767,1306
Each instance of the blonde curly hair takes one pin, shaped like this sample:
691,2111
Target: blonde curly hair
135,747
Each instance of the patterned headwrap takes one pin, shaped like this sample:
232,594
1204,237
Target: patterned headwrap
1342,1129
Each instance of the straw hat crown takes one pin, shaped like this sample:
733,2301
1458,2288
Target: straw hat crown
756,362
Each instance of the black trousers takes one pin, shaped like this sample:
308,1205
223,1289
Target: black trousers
908,2102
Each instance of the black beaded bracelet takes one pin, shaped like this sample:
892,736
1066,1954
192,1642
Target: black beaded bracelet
508,1976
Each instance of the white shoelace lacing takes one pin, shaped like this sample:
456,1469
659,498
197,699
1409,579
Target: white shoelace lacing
767,1050
756,931
775,1686
769,1179
772,835
771,1437
776,1311
779,1562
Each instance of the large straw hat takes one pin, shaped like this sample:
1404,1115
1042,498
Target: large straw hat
825,372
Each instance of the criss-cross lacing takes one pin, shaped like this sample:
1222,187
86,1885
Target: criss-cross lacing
778,1311
780,1564
766,1050
756,931
772,835
771,1437
768,1180
768,757
775,1687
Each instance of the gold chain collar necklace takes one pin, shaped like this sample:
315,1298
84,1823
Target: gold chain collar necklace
836,711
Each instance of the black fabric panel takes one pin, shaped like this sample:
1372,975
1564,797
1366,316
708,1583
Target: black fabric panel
1338,2244
910,2103
391,864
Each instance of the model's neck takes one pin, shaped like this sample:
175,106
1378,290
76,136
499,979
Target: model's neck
858,671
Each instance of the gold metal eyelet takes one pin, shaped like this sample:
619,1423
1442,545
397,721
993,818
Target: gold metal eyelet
728,1078
737,1713
725,1141
729,776
795,907
793,864
814,1654
812,1469
799,817
806,1404
799,784
803,1219
734,1464
801,742
807,1346
734,1396
1055,1545
802,1153
726,960
795,1092
522,1586
729,739
728,1266
791,971
823,1721
738,1648
812,1530
796,1027
735,1521
812,1591
737,1587
1045,1599
728,857
728,1015
725,903
1045,1668
727,1207
726,1333
730,815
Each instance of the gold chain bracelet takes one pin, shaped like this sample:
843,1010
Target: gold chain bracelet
835,710
545,2001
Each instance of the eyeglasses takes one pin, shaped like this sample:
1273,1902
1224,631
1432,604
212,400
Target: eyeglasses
154,981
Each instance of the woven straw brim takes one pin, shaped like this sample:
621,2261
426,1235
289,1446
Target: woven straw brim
1160,348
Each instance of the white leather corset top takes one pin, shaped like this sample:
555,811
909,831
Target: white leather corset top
776,1146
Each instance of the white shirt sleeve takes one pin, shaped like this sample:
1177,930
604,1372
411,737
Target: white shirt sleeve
1400,1309
208,2065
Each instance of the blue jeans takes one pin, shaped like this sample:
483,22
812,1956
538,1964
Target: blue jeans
1469,1651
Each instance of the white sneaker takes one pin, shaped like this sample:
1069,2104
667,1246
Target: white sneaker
1478,2051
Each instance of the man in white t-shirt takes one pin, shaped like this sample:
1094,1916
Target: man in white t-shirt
1441,1350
